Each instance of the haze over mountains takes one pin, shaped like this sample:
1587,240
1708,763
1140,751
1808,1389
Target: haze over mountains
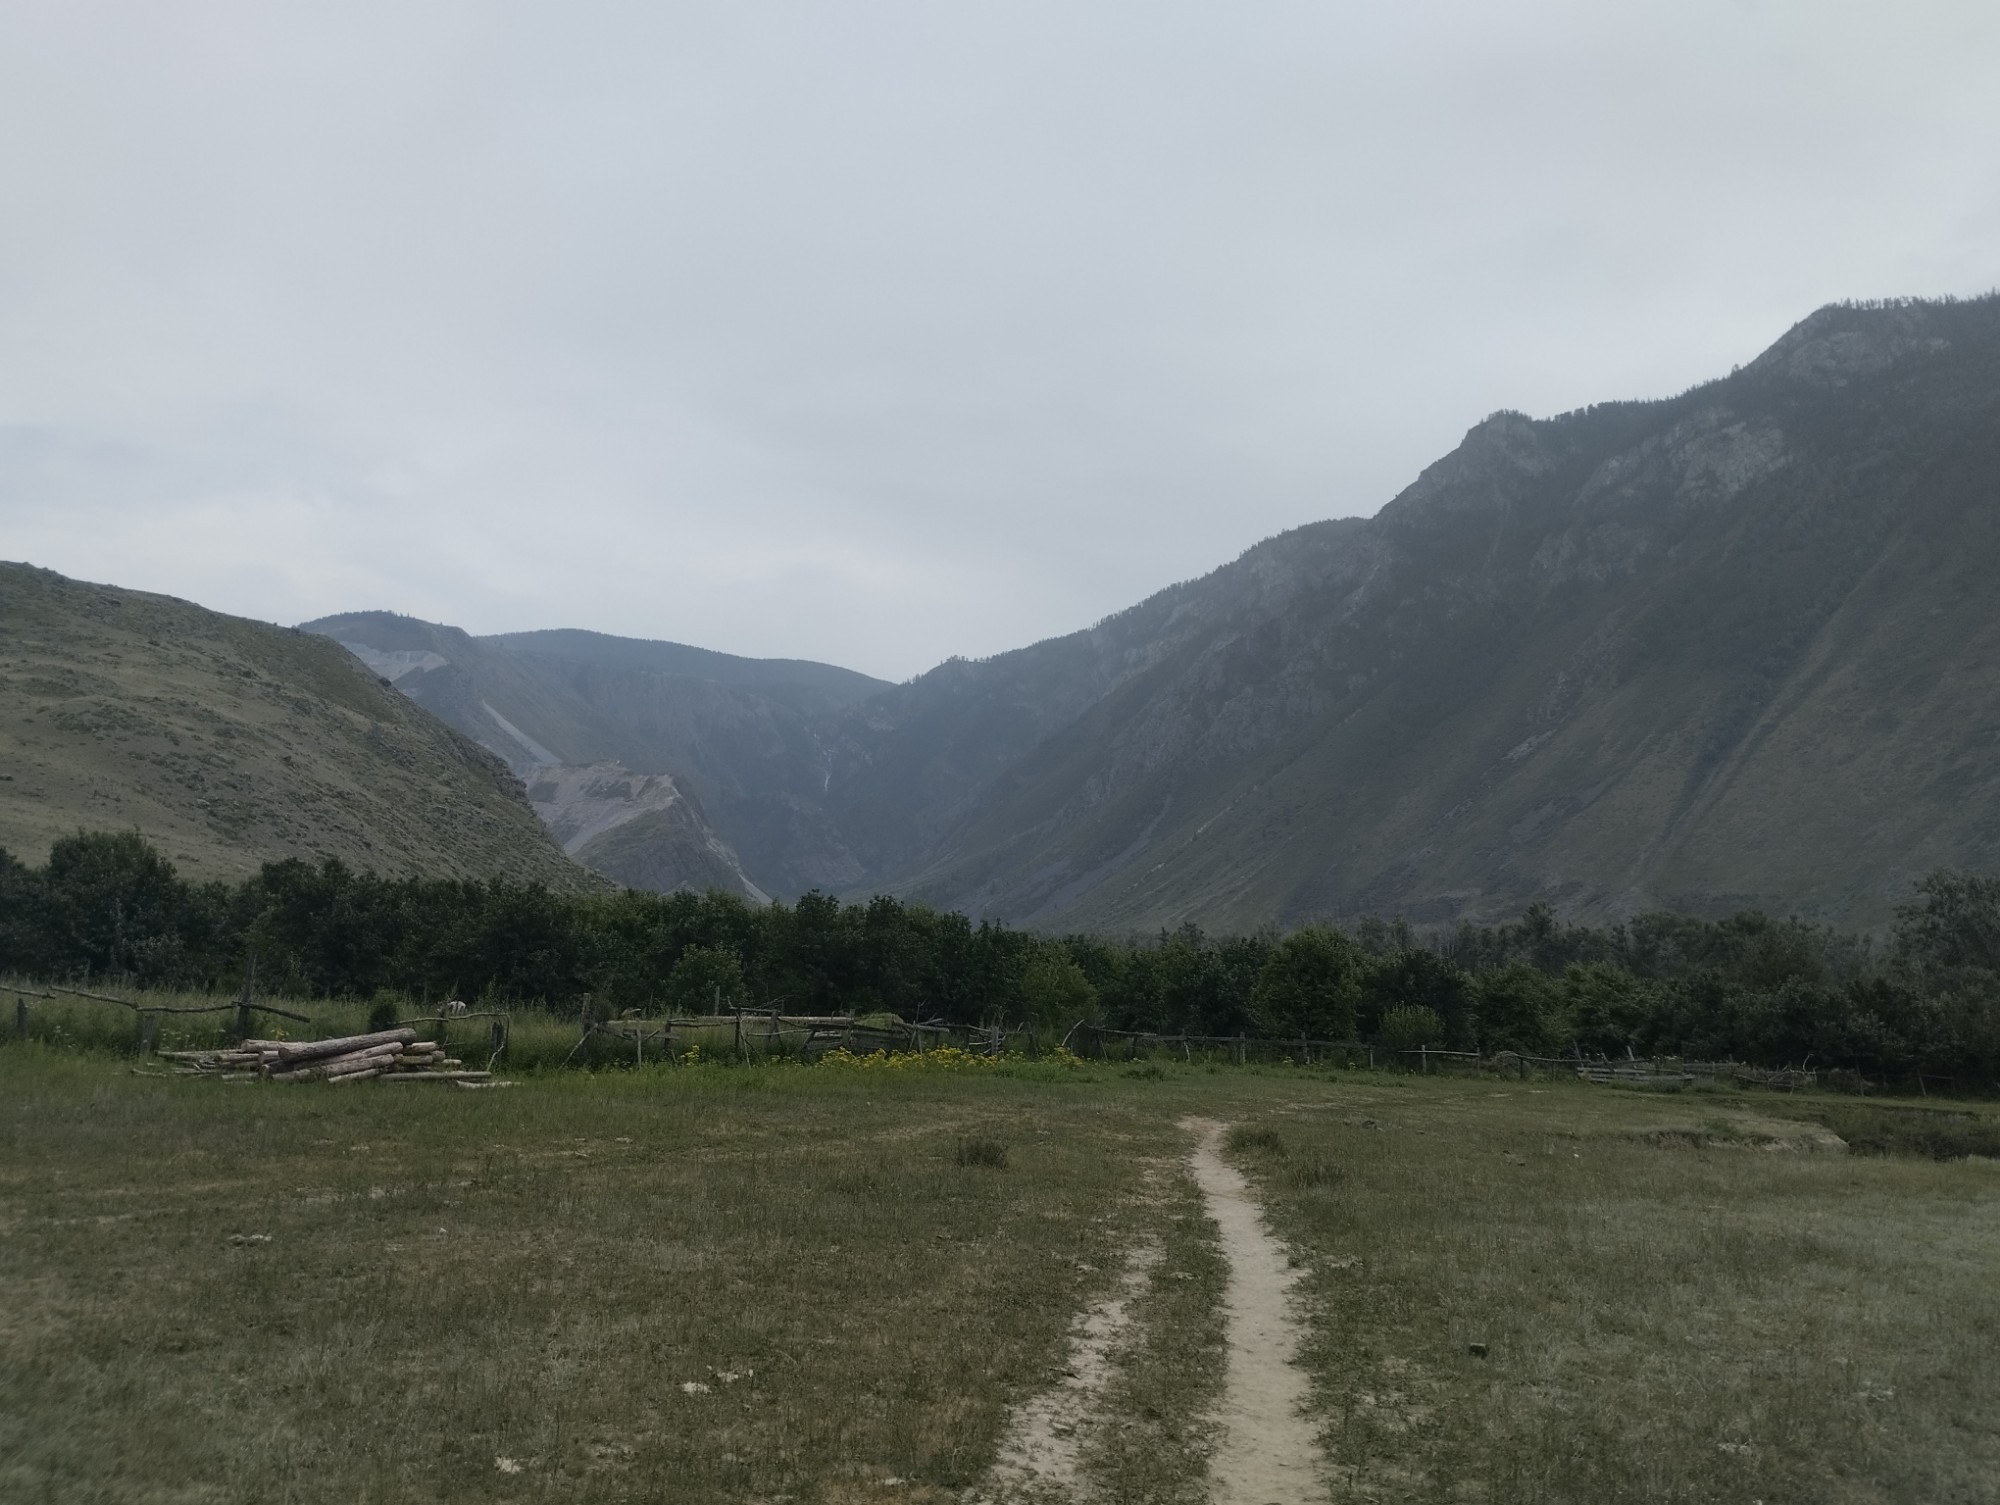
1733,647
1736,647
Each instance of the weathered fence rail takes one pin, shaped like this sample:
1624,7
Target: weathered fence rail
758,1033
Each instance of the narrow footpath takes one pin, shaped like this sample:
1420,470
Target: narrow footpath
1266,1453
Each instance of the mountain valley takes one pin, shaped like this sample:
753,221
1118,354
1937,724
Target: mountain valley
1731,648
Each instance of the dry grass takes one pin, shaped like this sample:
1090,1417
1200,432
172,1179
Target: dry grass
539,1275
1673,1307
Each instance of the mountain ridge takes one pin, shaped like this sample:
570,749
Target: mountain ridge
1461,590
1721,648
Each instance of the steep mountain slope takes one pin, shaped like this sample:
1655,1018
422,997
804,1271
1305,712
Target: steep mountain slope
230,743
735,737
1734,647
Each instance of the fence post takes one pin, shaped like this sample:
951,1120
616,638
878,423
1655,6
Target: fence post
1239,1047
21,1017
1424,1059
149,1033
739,1036
499,1036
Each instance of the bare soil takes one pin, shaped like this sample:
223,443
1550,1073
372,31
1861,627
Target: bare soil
1266,1452
1041,1455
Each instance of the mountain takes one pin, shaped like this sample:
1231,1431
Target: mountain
726,744
231,743
1736,647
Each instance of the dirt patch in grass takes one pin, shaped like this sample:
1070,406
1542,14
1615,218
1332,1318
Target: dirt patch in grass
1042,1451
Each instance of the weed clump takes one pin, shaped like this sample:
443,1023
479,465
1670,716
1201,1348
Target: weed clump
977,1150
1253,1137
1313,1172
1147,1073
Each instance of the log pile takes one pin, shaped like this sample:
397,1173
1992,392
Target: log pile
393,1055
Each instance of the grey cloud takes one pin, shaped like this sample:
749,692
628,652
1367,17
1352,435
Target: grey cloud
883,332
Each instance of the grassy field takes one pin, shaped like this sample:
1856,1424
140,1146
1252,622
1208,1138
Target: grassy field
789,1283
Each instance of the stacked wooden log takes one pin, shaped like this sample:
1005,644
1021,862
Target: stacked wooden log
395,1055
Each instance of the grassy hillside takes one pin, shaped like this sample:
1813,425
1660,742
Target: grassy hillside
231,743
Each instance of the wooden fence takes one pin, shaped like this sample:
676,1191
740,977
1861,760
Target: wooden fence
147,1015
764,1033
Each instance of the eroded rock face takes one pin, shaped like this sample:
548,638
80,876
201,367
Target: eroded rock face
637,828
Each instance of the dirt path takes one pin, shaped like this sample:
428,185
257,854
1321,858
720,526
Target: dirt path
1041,1456
1266,1453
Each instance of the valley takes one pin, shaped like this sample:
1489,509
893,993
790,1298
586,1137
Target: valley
1728,649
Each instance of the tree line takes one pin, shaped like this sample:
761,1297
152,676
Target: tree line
1924,997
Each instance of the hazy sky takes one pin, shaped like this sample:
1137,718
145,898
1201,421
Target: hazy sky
882,332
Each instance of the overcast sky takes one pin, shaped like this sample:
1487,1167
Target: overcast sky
882,332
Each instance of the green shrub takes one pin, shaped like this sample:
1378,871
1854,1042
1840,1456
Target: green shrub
385,1012
1412,1027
